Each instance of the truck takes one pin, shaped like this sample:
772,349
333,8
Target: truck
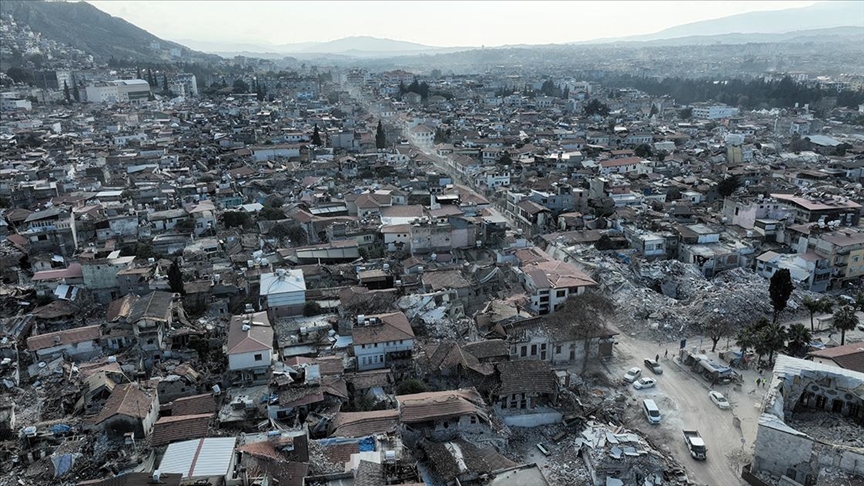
695,444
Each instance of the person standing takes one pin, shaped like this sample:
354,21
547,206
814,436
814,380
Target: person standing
657,358
667,354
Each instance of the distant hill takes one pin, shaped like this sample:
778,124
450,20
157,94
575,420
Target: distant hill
366,44
819,16
834,34
85,27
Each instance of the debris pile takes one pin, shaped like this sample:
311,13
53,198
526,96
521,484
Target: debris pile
832,428
670,299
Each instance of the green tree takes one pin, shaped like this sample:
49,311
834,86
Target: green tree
595,107
716,328
654,110
845,319
380,137
240,86
316,137
66,93
175,278
165,83
799,339
686,113
410,387
773,338
274,201
729,185
780,290
643,150
815,306
271,214
233,219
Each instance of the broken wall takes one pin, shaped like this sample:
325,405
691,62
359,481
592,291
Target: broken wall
778,452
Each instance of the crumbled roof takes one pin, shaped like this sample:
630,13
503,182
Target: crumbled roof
530,377
362,424
129,399
422,407
62,338
155,306
194,405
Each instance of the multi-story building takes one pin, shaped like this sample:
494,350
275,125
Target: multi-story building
381,340
120,91
705,111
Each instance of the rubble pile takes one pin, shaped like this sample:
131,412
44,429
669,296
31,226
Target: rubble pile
670,299
562,466
828,427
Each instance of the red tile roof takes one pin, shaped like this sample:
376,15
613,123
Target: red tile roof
183,427
61,338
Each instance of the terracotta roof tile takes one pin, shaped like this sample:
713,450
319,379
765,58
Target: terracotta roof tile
182,427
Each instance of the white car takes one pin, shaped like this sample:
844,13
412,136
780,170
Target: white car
645,383
632,374
719,400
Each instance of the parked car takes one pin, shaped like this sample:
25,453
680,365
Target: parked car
644,383
653,366
719,400
861,327
632,374
543,449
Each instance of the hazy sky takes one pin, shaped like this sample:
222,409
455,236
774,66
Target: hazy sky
441,23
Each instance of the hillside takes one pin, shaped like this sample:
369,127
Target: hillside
823,15
820,36
85,27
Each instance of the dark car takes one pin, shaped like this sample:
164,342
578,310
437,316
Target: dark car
653,366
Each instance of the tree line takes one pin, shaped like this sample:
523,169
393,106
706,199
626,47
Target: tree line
747,94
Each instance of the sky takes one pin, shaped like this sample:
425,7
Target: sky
440,23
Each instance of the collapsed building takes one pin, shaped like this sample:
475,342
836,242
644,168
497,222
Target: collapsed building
812,419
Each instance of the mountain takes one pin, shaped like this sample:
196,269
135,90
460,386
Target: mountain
85,27
834,34
818,16
366,44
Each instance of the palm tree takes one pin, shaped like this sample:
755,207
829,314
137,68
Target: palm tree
799,338
773,338
813,306
845,319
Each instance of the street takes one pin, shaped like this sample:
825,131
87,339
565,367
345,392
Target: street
684,403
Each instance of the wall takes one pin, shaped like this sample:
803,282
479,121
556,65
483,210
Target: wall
777,451
245,361
533,420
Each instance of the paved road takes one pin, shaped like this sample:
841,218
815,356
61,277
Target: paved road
684,403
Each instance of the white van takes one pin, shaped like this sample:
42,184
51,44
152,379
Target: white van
652,413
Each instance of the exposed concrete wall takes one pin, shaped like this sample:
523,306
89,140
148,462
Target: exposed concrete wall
533,420
777,451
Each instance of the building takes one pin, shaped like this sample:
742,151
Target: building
382,339
791,439
151,317
130,408
211,458
422,135
120,91
284,292
825,209
704,111
849,356
250,346
184,84
78,343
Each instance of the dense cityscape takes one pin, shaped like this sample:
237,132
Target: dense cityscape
614,264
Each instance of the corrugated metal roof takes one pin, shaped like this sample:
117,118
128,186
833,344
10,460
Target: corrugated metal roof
199,458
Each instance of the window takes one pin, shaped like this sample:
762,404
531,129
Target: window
363,346
561,293
524,351
533,349
259,357
557,349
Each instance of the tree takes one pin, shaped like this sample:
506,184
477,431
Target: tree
654,110
380,137
729,185
595,107
814,306
686,113
175,278
165,83
505,159
150,80
773,338
845,319
717,327
410,387
232,219
582,318
240,86
780,290
799,339
643,150
274,201
271,214
66,93
316,137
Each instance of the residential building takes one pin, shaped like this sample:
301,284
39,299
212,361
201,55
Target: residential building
380,340
283,292
249,346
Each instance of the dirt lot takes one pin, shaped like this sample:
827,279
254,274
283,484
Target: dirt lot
684,403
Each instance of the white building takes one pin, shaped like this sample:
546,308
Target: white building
184,84
250,345
12,104
377,337
120,91
713,112
422,135
284,291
